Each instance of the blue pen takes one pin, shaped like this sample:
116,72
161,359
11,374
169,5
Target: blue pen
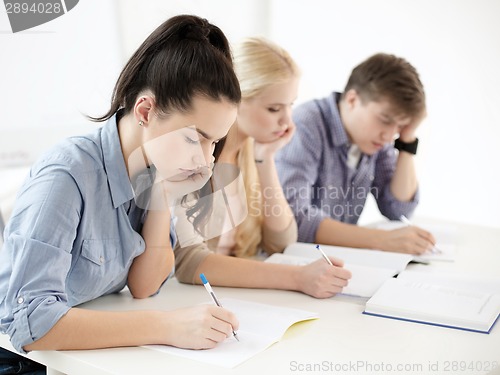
324,255
210,291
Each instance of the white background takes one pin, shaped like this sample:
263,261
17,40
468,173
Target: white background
52,74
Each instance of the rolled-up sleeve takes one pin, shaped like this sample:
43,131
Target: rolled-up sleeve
276,241
37,249
35,305
390,206
187,261
296,164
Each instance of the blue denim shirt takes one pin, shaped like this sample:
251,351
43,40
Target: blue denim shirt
317,180
72,236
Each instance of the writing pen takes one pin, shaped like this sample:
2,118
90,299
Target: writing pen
210,291
405,220
324,255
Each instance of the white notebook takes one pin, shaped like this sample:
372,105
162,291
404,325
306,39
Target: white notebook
422,299
369,268
261,326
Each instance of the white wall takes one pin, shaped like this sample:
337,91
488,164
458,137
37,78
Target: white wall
237,19
455,45
54,74
51,74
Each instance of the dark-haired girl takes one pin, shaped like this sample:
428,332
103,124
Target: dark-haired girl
91,216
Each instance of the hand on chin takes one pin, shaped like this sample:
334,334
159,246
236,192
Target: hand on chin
178,186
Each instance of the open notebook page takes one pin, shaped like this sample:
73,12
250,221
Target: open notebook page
364,282
463,281
362,257
435,304
261,326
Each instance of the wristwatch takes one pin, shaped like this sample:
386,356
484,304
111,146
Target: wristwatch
408,147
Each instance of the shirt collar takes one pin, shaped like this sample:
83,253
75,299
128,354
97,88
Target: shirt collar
114,164
353,156
339,134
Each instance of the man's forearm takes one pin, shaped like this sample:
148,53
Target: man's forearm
404,181
333,232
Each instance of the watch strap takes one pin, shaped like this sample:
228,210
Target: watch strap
410,147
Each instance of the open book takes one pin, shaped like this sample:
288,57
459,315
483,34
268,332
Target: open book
369,268
446,300
261,326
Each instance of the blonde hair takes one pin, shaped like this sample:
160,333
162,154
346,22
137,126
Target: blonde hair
259,63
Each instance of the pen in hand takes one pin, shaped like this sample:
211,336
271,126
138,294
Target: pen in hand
404,219
210,291
324,255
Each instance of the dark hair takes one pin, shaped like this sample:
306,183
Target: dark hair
185,56
394,78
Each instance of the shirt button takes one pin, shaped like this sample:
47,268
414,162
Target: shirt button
101,259
20,300
372,178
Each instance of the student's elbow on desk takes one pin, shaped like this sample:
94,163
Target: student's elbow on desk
50,341
35,346
140,294
143,291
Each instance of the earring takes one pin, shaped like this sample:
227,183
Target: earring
141,123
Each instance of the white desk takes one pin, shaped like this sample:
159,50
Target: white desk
342,341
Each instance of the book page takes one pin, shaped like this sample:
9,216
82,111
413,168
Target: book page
454,279
261,326
364,282
362,257
446,254
435,304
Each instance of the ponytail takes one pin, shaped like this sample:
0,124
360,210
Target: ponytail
183,57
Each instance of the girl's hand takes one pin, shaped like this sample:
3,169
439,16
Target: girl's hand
268,149
321,280
199,327
175,187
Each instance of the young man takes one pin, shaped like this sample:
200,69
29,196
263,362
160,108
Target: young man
344,149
